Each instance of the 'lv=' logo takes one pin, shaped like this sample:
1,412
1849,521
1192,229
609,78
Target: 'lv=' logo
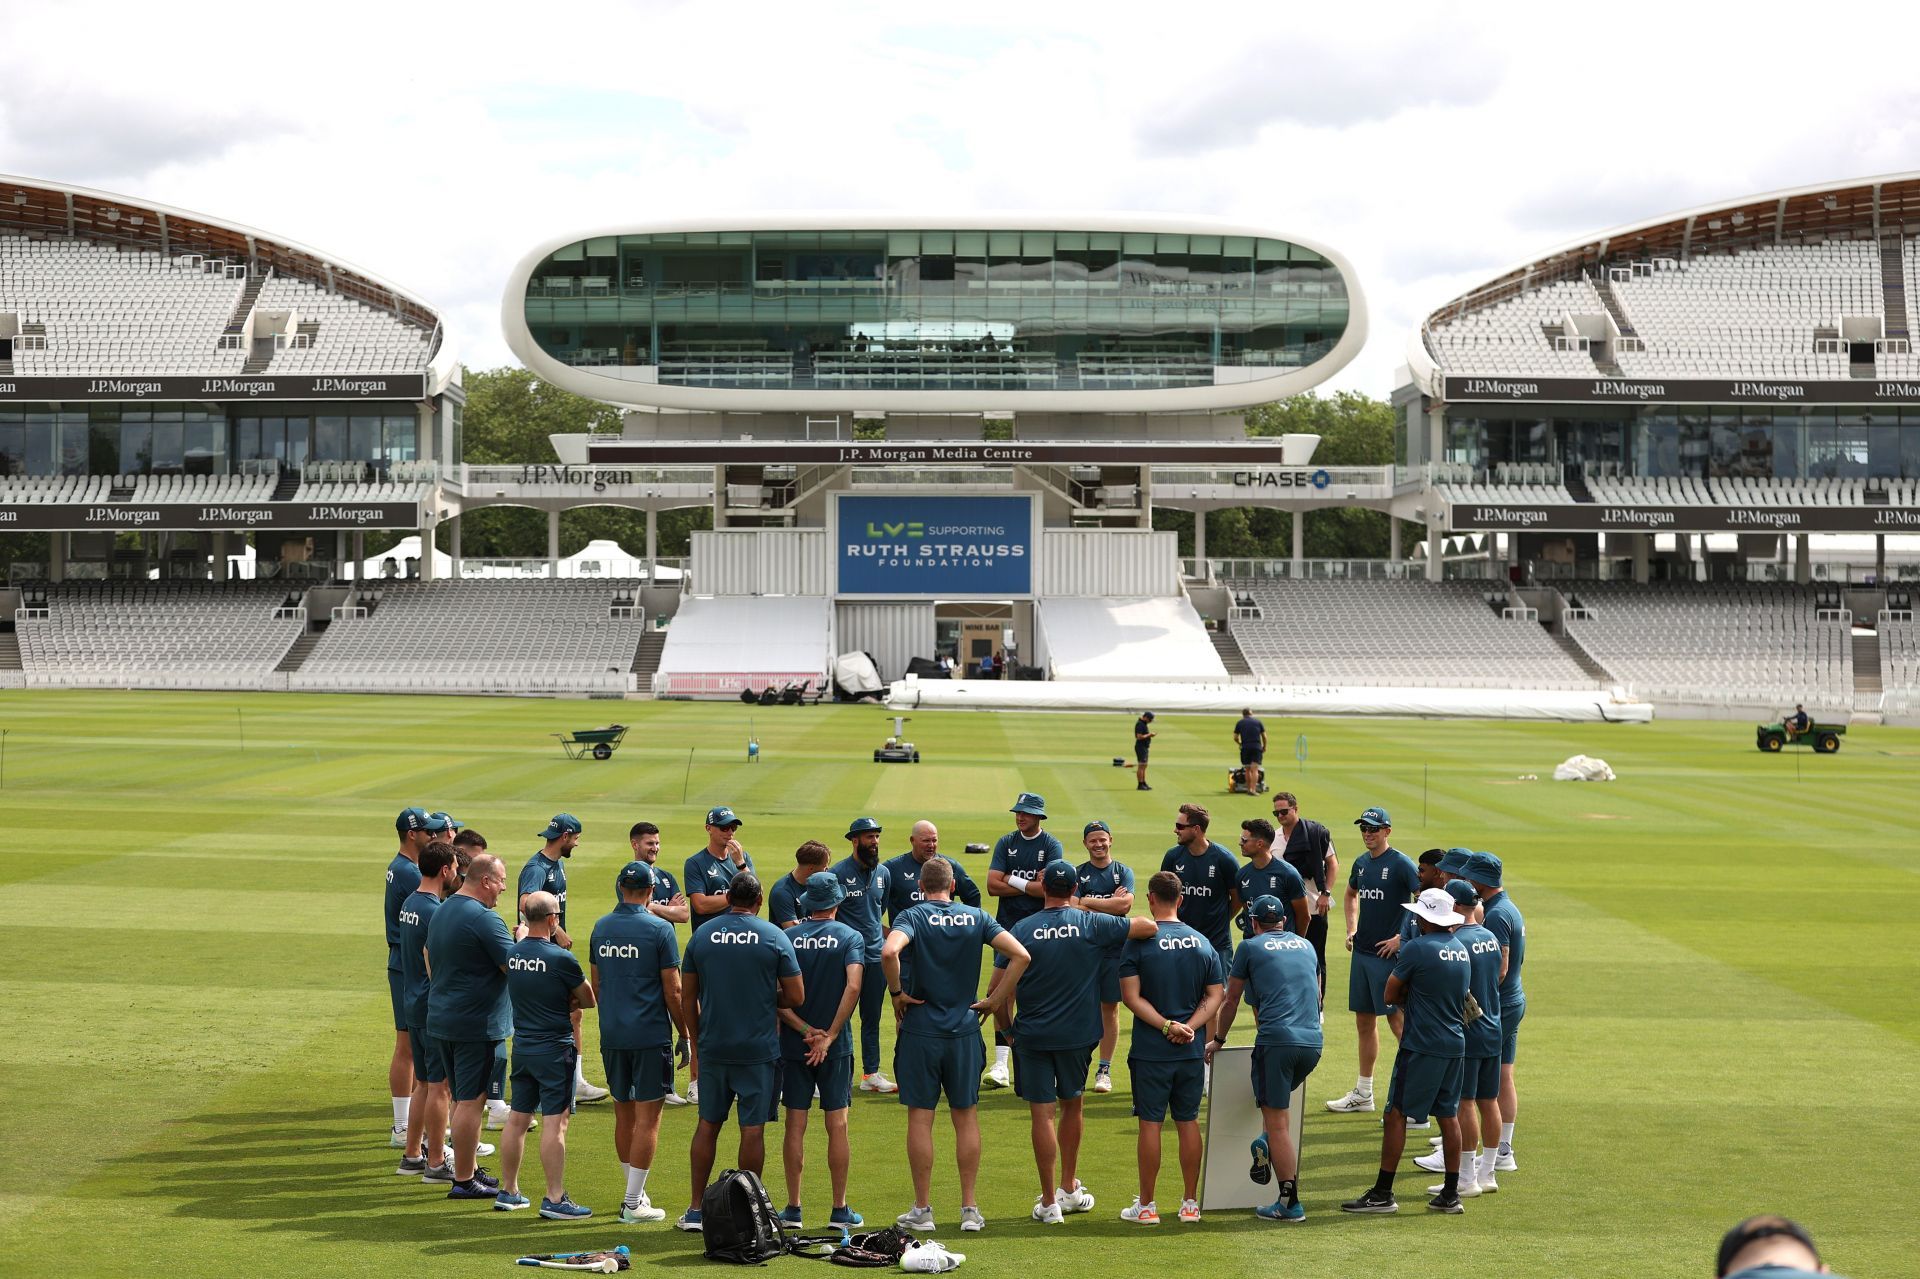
910,528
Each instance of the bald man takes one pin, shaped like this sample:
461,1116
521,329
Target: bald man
469,1013
903,872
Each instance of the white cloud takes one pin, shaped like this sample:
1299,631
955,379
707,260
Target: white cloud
436,145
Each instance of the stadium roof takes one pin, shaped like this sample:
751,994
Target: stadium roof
1853,208
36,206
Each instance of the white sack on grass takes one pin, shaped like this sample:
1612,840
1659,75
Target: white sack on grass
1583,768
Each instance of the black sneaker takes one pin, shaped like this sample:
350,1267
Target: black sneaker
439,1172
486,1179
473,1189
1446,1203
1143,786
411,1167
1373,1201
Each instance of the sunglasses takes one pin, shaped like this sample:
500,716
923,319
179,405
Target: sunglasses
1183,825
1283,812
1371,830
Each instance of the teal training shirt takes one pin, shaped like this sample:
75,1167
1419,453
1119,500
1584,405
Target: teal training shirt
825,947
1438,971
541,979
1276,879
866,896
1104,881
740,960
416,914
403,879
1384,884
467,944
783,900
705,873
1504,922
942,966
1283,986
1057,1004
1016,854
631,947
1175,966
1483,1032
541,874
903,886
1206,885
665,887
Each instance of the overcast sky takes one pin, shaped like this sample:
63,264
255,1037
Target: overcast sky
436,146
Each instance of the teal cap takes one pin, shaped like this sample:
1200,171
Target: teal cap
1373,817
562,824
1059,878
860,826
1484,868
1093,826
1029,803
722,816
1455,861
1462,893
448,819
635,876
413,819
823,892
1267,910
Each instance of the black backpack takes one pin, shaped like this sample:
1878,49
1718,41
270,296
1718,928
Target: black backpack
738,1222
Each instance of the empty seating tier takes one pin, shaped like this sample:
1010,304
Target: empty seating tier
1746,644
1396,635
158,635
479,637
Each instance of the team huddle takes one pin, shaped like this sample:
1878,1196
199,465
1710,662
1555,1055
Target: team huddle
760,1008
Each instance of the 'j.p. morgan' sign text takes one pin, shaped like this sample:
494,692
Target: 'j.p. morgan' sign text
1599,518
1467,390
135,516
381,386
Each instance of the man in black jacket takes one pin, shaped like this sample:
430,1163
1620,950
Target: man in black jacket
1308,848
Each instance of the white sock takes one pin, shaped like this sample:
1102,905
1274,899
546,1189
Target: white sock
636,1186
1002,1054
1364,1086
400,1105
1506,1139
579,1073
1486,1166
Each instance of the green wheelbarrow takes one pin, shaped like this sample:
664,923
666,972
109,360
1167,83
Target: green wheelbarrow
600,743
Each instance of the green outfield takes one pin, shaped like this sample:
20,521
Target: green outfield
1720,975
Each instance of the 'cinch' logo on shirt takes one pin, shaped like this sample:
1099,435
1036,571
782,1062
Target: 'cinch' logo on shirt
955,920
1054,932
1484,947
1372,894
626,950
1198,890
816,943
734,939
409,917
1182,943
526,965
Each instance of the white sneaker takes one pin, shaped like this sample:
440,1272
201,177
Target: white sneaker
645,1212
1103,1081
918,1219
997,1076
1435,1162
481,1149
973,1219
1422,1126
1048,1214
1503,1162
675,1099
1079,1199
930,1258
584,1091
693,1092
1468,1189
397,1137
1189,1210
877,1082
1488,1185
1353,1102
497,1112
1147,1214
1435,1140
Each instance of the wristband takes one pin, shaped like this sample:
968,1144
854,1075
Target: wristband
896,993
1018,883
1168,1028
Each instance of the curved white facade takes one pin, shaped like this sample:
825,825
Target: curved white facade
878,312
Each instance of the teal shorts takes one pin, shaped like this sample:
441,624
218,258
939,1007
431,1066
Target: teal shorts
638,1074
466,1065
1278,1069
1110,978
926,1066
426,1068
543,1080
396,984
1425,1086
1482,1079
1160,1086
833,1077
1042,1075
754,1084
1367,983
1510,1032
